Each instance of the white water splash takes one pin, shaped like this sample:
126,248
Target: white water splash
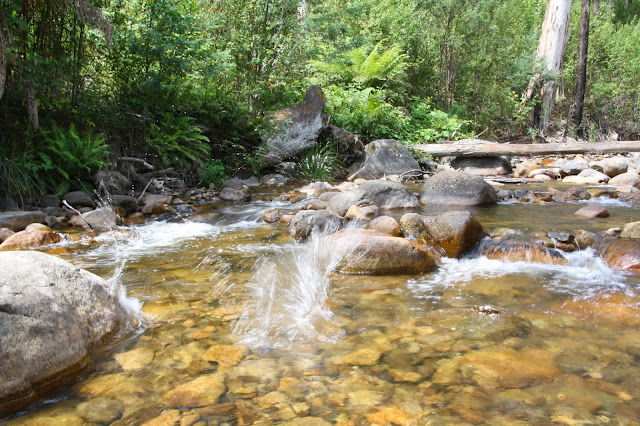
286,300
585,275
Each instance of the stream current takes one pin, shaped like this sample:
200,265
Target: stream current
246,326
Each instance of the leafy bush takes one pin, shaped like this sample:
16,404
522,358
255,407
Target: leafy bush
177,142
213,171
430,125
319,163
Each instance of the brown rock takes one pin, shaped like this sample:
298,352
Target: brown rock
315,205
275,215
622,255
522,249
523,169
205,390
592,210
612,309
385,225
389,415
631,231
5,233
156,204
101,410
28,239
584,239
369,252
455,232
225,355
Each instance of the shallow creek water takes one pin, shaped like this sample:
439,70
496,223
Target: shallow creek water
246,326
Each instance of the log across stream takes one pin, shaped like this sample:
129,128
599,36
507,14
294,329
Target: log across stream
480,148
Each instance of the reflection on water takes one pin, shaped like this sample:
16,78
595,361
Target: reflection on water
246,326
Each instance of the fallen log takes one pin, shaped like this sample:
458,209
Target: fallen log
480,148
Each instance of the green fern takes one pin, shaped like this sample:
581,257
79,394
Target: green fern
365,69
177,142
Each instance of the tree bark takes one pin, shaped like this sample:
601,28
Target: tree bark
581,72
551,47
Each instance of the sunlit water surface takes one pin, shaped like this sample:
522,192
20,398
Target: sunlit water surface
228,297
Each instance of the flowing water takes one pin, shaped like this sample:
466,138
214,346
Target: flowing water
243,325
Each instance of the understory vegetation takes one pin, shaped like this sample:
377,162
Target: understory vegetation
188,84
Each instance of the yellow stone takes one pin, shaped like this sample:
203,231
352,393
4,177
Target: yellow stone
366,356
167,418
135,359
205,390
405,376
225,355
386,415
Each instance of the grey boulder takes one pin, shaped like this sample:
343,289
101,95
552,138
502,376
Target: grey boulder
386,157
456,188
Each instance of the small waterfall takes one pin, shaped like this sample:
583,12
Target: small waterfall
286,300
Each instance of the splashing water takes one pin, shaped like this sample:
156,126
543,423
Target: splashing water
287,297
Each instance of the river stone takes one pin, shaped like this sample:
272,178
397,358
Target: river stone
622,255
205,390
305,222
274,215
156,204
573,167
135,359
295,128
79,199
455,188
631,231
49,200
235,195
587,177
112,183
608,308
314,189
454,232
102,410
626,179
369,252
385,157
382,193
5,233
524,168
101,219
30,239
522,249
315,205
126,202
17,221
612,166
52,314
592,210
483,166
385,225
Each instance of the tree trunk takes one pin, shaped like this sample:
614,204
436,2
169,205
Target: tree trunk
553,40
596,7
581,72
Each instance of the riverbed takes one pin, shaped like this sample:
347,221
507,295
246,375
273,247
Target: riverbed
243,325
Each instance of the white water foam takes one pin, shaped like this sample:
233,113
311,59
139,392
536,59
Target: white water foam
585,275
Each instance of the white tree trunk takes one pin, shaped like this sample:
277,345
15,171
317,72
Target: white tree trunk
553,41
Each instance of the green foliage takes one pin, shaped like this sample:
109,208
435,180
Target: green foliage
213,171
177,142
430,125
373,69
319,163
69,159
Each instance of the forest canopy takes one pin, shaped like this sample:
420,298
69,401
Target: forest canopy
188,84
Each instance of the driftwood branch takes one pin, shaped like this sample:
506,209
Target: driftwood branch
479,148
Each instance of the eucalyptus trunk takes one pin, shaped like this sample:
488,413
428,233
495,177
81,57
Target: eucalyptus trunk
581,77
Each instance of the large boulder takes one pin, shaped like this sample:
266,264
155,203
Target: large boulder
295,128
626,179
587,177
362,251
630,231
101,219
17,221
52,315
112,183
382,193
156,204
306,222
483,166
386,157
456,188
